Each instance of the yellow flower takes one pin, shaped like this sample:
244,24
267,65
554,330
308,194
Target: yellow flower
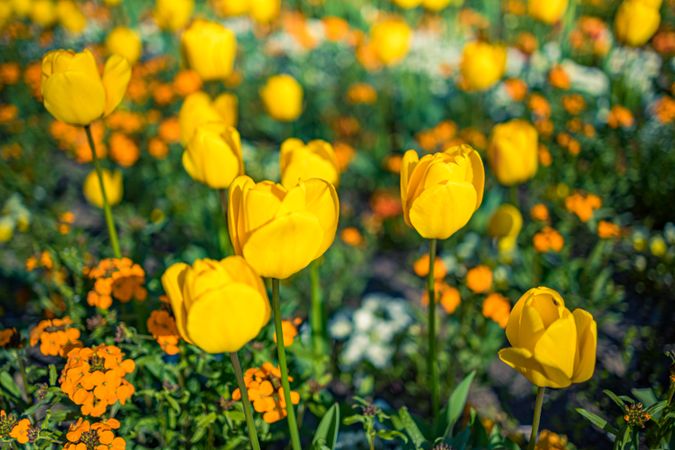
219,305
440,192
71,17
197,109
513,152
213,156
407,4
6,228
550,346
390,38
280,231
437,5
636,21
226,104
125,42
298,161
74,92
43,12
264,11
547,11
210,49
505,225
482,65
112,182
282,96
231,7
173,14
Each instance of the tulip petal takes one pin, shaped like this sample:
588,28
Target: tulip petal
74,97
235,210
442,210
530,328
172,281
410,160
587,340
548,303
478,177
241,272
521,359
557,346
322,201
116,76
261,204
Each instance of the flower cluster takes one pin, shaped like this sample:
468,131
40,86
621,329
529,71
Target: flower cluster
13,428
9,337
263,385
290,331
162,327
94,378
548,240
583,205
497,308
83,435
548,440
117,278
56,337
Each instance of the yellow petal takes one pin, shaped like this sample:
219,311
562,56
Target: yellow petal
410,160
241,272
116,76
478,171
440,211
210,159
587,341
74,97
548,303
235,210
322,201
261,204
521,359
557,346
530,328
172,281
286,151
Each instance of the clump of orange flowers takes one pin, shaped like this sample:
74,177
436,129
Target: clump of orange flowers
13,428
558,78
548,440
83,435
162,327
56,337
583,205
9,337
94,378
117,278
479,279
289,329
497,308
608,230
42,261
548,240
263,385
620,117
539,212
448,296
421,267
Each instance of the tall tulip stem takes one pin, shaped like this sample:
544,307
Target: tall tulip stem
281,351
316,319
539,402
107,211
223,234
432,364
252,432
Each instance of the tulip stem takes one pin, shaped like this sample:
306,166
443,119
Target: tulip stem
223,233
112,232
281,351
252,432
539,402
431,356
317,319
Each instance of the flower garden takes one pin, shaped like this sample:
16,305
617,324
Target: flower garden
323,224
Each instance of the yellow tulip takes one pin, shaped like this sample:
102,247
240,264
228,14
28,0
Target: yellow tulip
482,65
197,109
636,21
209,48
390,39
505,225
280,231
226,104
219,306
125,42
407,4
298,161
513,152
441,191
547,11
71,17
231,7
213,156
112,2
43,13
282,97
73,90
112,183
6,228
21,8
173,15
550,346
437,5
264,11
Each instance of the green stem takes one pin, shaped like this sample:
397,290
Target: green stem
281,351
24,376
252,432
513,190
539,402
224,241
317,317
431,356
106,206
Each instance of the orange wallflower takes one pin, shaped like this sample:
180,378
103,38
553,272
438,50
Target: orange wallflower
559,78
583,205
117,278
527,43
545,158
162,327
497,308
94,378
43,261
162,93
479,279
547,240
549,440
83,435
187,82
335,28
32,76
516,88
539,106
608,230
123,150
125,121
573,103
361,93
169,130
158,148
421,267
620,116
664,109
344,155
385,204
351,236
539,212
393,163
9,337
56,337
8,113
263,386
289,329
66,219
20,431
447,296
10,73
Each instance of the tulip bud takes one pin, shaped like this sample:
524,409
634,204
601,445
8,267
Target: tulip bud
173,14
219,306
43,13
547,11
302,162
550,346
513,152
636,21
213,156
505,225
197,109
71,17
282,96
112,183
125,42
390,38
482,65
210,49
264,11
230,8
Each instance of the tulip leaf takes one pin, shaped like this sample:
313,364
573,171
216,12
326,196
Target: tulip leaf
619,400
405,422
327,432
457,401
598,421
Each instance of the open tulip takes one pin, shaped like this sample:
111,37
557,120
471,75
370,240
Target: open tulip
513,152
280,231
282,96
173,14
112,183
390,39
316,159
219,305
482,65
198,109
209,48
213,156
125,42
547,11
636,21
440,192
550,346
73,90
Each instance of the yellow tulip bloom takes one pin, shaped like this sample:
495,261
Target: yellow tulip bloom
298,161
173,14
280,231
71,17
513,152
197,109
547,11
407,4
264,11
210,49
125,42
441,191
219,306
73,90
390,38
437,5
231,7
505,225
282,96
213,156
636,21
550,346
112,183
482,65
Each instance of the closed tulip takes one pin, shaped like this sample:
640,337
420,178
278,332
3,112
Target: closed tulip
505,225
231,7
316,159
437,5
441,191
210,49
547,11
173,15
390,39
197,109
71,17
407,4
636,21
550,346
513,152
280,231
282,97
482,65
125,42
43,13
264,11
213,156
112,183
219,306
74,92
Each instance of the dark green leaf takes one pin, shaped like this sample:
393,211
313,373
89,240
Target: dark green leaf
327,432
457,401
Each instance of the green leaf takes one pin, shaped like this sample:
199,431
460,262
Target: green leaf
598,421
52,375
8,383
646,396
405,422
457,401
327,432
619,400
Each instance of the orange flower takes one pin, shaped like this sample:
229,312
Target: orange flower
620,116
169,130
361,93
290,331
126,121
479,279
547,240
162,327
539,212
447,296
335,28
545,158
20,431
664,109
497,308
263,386
421,267
344,154
117,278
351,236
539,106
608,230
123,150
94,378
158,148
83,435
186,82
516,88
10,73
527,43
66,219
9,337
393,163
559,78
573,103
56,337
385,204
583,205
